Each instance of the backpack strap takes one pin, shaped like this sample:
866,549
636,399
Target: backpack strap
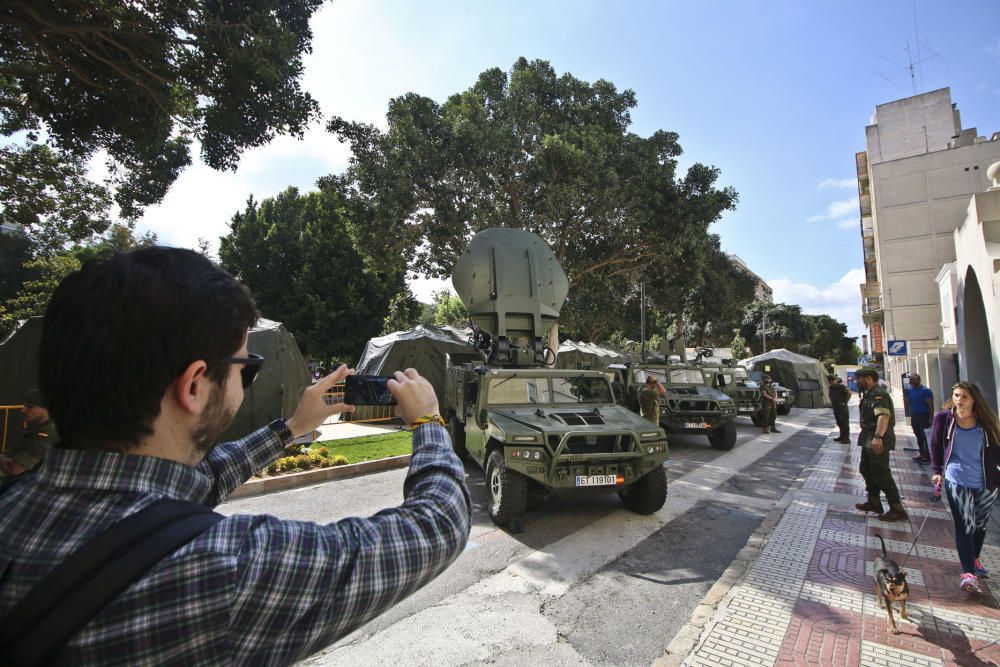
58,607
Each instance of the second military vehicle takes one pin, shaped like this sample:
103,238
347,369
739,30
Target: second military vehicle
786,397
691,405
734,380
533,429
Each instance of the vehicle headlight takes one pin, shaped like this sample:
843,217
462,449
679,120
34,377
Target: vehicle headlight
525,438
649,434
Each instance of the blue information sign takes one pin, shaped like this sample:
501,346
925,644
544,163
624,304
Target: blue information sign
897,348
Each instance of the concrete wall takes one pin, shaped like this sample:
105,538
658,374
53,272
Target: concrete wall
918,202
977,245
912,126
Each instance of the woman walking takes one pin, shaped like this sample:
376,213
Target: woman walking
965,456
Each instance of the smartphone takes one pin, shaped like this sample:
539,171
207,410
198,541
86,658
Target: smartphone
367,390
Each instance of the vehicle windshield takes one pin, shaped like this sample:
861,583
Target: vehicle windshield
514,390
740,373
581,390
639,375
686,376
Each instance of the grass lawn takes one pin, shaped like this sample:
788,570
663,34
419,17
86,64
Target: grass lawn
369,447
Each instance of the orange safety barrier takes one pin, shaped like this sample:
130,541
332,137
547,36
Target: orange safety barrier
6,421
363,414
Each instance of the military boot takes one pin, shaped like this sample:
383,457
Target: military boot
870,506
766,429
895,513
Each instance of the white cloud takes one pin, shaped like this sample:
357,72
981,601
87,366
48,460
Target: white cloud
841,300
837,210
837,183
848,223
424,288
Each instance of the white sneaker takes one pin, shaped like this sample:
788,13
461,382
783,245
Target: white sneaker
970,583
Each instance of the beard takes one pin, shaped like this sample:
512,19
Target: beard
214,421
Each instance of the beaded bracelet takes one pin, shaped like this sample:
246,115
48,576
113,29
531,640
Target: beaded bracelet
426,419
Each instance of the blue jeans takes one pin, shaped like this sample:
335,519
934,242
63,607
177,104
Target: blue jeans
920,421
970,508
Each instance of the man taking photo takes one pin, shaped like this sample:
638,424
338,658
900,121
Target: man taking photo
143,363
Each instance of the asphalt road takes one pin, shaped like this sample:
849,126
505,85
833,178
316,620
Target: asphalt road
586,581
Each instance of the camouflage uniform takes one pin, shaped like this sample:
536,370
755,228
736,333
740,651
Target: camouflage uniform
768,408
30,449
839,395
875,467
649,404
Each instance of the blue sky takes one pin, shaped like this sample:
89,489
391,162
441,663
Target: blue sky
774,94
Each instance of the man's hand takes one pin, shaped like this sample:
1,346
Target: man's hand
415,396
877,446
314,408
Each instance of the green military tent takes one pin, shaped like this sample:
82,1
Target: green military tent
803,375
427,349
279,385
591,356
275,393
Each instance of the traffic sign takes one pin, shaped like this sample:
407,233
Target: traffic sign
897,348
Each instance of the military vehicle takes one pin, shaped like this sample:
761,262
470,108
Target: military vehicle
786,397
537,430
691,404
732,379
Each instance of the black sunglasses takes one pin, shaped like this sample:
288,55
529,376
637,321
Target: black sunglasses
251,366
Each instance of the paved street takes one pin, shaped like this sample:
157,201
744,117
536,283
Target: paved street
588,582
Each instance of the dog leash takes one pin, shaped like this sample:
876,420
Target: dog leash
920,530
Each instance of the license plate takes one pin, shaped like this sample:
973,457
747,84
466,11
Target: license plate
747,409
695,425
599,480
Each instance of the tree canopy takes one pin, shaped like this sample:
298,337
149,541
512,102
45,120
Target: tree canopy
295,254
533,150
819,336
142,81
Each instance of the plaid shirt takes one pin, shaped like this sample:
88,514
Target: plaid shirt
250,590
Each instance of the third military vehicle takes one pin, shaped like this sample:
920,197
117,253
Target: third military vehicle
734,380
691,405
537,430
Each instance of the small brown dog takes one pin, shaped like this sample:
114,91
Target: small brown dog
890,586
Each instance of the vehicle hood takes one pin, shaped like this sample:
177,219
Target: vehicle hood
559,420
687,391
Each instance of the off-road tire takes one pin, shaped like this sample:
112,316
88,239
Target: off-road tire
724,437
648,493
456,430
507,490
783,409
755,418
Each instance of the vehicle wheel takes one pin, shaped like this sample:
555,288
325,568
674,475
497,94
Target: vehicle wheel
536,495
724,437
456,430
508,491
648,494
755,418
783,409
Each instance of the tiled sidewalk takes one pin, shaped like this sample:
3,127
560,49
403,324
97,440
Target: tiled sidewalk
808,597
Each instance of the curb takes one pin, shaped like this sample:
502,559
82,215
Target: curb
256,487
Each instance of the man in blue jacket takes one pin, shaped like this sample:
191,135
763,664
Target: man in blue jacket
921,401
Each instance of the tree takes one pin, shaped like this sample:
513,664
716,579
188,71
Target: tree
50,196
716,305
404,312
786,326
529,150
829,342
144,80
294,253
119,238
16,249
33,296
449,309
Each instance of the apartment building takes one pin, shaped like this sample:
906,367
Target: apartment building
915,179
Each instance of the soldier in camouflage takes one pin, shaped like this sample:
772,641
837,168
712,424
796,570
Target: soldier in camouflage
28,451
839,396
649,399
876,440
